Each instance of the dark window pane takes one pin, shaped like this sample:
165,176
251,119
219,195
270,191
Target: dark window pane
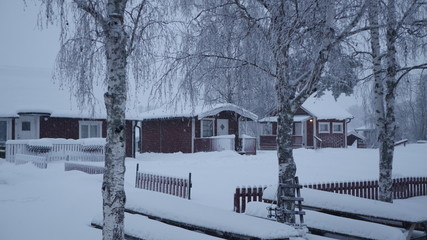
207,128
84,131
3,129
26,126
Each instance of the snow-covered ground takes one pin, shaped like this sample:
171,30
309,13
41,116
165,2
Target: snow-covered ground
53,204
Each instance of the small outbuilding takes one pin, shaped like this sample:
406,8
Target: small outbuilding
197,129
318,123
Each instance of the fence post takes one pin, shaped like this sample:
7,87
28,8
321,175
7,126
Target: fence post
237,200
136,175
189,186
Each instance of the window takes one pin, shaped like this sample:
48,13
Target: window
90,129
26,126
207,128
3,131
337,127
267,128
323,127
297,130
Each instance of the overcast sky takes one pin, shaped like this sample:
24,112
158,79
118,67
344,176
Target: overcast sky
27,56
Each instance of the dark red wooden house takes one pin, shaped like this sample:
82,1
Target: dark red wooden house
319,123
203,128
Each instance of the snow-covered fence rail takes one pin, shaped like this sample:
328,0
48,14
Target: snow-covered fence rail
92,150
179,187
402,188
38,161
83,168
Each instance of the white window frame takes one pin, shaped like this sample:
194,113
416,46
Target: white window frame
337,124
201,127
324,123
91,123
294,133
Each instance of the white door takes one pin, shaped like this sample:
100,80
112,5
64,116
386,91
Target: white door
222,126
27,127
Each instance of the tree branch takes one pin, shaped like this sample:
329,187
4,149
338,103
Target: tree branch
82,4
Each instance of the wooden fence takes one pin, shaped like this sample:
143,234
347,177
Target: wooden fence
179,187
402,188
83,168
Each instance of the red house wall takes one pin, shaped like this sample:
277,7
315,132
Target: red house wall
333,140
167,135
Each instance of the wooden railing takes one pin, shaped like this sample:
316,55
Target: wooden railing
402,188
179,187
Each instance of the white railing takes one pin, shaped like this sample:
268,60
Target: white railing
92,150
223,142
248,144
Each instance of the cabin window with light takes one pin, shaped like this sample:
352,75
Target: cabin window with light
90,129
207,128
324,127
337,128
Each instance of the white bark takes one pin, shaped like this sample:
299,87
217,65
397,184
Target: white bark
113,192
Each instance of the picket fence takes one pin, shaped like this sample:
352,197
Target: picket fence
83,168
92,150
402,188
38,161
179,187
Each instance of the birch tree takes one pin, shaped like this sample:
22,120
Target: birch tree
102,39
288,43
404,28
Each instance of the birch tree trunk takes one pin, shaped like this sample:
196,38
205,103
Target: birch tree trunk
287,166
115,101
388,128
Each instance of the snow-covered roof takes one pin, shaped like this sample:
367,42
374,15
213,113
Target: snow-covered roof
200,111
354,133
88,114
364,128
297,118
322,108
325,107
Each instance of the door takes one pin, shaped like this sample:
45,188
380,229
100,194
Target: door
27,127
222,127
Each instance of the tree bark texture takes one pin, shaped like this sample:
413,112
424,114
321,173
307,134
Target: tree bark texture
388,130
114,197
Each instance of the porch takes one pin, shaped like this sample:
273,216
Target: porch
245,144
